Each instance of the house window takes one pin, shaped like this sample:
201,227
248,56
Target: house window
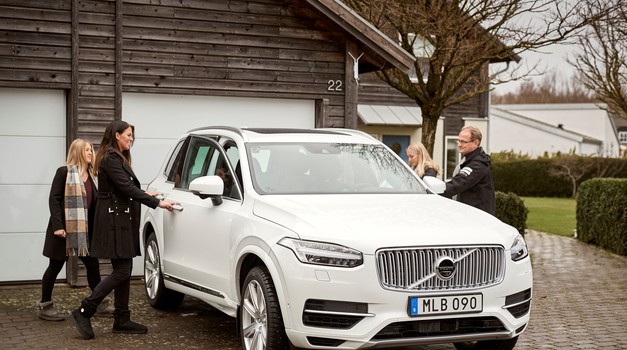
451,157
422,47
398,144
622,136
422,50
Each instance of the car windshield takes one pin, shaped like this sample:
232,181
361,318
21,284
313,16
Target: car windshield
326,168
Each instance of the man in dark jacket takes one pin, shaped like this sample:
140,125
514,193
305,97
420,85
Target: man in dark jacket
472,181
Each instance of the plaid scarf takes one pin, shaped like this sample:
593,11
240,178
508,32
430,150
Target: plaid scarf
75,214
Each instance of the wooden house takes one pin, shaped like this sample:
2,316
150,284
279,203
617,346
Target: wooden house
69,67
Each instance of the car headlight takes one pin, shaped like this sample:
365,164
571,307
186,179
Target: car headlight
320,253
519,250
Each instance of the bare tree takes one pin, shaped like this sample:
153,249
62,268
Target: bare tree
453,40
572,167
550,89
603,61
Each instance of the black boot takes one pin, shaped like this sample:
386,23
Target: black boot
80,318
122,323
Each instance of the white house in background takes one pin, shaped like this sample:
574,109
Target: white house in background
621,127
536,129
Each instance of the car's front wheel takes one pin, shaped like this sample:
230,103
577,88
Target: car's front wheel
507,344
260,321
158,295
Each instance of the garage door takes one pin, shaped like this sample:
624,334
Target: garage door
32,144
160,119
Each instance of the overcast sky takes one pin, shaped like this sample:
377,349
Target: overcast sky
553,59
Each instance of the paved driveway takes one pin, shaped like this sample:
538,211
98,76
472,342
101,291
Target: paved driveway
580,302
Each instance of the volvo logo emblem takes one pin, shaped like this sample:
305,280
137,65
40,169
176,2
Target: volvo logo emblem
445,268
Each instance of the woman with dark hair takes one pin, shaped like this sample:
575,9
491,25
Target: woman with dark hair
116,228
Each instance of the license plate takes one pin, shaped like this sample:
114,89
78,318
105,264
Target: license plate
445,304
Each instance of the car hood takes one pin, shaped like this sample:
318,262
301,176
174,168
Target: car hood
369,222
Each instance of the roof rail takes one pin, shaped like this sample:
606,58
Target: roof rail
219,127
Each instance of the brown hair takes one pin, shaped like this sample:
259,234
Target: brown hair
109,142
475,133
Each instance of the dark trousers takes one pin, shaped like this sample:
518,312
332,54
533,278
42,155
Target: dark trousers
119,281
54,267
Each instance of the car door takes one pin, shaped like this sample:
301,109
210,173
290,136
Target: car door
198,236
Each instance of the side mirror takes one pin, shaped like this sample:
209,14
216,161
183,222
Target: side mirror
208,187
434,184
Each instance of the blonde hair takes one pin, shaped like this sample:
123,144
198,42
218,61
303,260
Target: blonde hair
76,155
425,159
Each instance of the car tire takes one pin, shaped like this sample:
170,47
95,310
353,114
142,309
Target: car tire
259,318
158,295
507,344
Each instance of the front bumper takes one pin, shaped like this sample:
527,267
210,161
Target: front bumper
349,309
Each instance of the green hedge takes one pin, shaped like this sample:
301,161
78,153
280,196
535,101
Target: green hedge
602,214
511,210
532,177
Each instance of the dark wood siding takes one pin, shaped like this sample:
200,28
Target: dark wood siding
261,48
375,91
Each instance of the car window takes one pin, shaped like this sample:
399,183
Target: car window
205,157
201,159
168,168
232,154
319,168
175,163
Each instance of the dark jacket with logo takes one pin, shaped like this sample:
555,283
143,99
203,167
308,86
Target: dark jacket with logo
473,182
116,224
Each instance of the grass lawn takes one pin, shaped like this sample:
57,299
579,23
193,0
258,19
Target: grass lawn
551,215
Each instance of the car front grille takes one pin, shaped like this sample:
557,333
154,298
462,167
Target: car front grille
444,327
420,269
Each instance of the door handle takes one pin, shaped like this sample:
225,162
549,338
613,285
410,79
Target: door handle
160,196
177,207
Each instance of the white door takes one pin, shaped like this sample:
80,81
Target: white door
206,262
32,147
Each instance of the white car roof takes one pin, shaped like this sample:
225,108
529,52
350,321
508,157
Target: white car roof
334,135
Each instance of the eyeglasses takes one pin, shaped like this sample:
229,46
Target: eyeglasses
464,141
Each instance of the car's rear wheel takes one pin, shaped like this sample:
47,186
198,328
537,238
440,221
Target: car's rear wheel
260,321
507,344
158,295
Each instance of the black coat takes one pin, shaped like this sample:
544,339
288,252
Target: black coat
54,246
116,225
473,183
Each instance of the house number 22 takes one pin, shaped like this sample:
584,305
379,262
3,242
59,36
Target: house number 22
334,85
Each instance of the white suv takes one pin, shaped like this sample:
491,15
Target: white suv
325,238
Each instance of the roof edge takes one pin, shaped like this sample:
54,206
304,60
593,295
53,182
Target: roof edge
365,32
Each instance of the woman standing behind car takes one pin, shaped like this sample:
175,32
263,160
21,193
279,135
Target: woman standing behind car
116,228
418,159
69,233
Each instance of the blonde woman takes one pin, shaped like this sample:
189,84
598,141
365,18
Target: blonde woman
418,159
72,206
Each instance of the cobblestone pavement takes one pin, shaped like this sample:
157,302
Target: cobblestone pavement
579,302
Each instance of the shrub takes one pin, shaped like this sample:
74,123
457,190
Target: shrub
511,210
602,214
548,177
